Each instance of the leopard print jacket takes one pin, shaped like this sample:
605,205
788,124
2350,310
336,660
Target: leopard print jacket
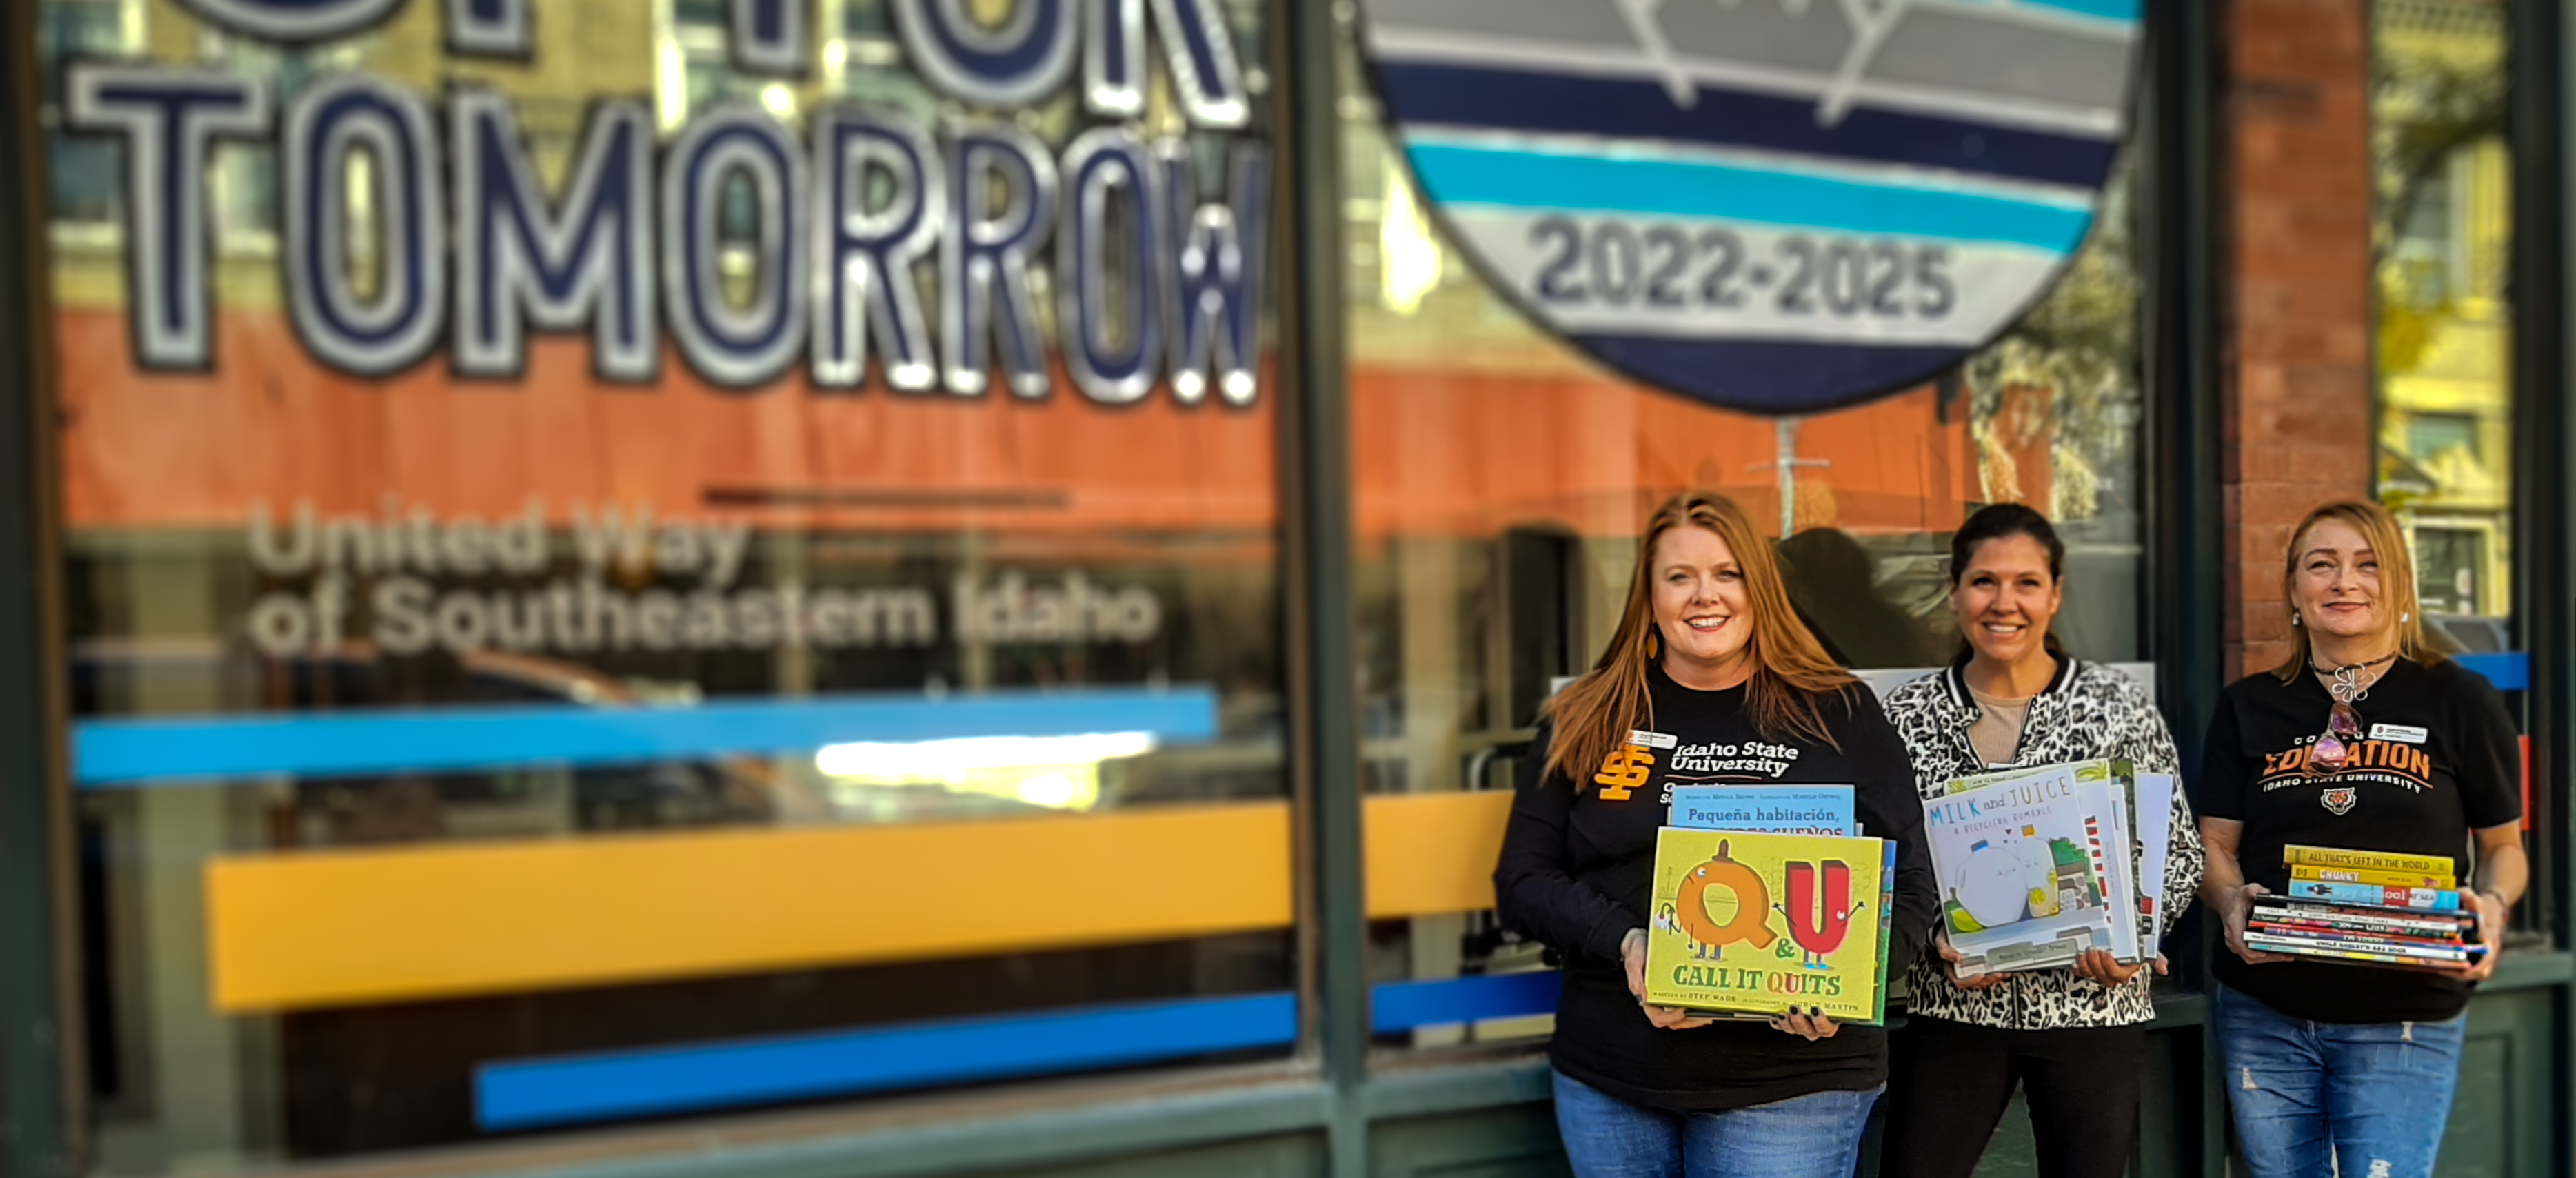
2090,711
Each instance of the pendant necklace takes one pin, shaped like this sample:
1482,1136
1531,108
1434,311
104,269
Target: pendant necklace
2334,748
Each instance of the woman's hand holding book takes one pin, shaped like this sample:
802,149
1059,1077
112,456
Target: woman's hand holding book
2493,913
1950,965
1671,1018
2099,967
1810,1026
2240,908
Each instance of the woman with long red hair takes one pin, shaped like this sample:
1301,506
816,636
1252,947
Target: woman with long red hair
1708,655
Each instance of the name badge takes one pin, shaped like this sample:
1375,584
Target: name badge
1653,740
2400,733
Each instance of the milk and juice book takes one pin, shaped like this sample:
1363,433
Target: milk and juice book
1750,924
2022,863
2145,822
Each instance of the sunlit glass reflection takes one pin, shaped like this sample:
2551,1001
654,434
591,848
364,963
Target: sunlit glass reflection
1057,772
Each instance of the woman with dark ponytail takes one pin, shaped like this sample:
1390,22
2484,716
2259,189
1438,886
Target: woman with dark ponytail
2073,1039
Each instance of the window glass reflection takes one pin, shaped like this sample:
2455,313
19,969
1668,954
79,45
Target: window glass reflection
2442,233
445,729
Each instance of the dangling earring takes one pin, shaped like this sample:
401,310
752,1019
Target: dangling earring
2402,619
1650,646
2294,619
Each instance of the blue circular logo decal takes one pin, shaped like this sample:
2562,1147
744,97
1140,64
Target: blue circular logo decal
1779,206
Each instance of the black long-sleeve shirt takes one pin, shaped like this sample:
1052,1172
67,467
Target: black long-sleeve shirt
1577,866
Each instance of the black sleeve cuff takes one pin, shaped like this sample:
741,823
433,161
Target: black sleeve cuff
1608,938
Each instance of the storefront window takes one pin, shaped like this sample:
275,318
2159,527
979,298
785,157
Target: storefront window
83,187
619,586
2443,236
1504,476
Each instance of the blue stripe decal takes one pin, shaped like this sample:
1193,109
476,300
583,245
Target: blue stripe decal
1502,99
2509,670
121,753
2119,10
1456,174
1397,1007
573,1089
1785,376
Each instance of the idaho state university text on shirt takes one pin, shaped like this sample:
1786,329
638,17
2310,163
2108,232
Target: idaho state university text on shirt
2385,761
1630,766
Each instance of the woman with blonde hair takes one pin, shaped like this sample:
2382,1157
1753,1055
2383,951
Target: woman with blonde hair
2364,740
1707,656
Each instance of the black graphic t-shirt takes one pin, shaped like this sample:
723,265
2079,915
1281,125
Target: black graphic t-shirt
1577,867
2439,758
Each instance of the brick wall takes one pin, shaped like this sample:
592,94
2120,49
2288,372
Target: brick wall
2297,403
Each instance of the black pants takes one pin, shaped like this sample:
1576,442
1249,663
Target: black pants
1948,1085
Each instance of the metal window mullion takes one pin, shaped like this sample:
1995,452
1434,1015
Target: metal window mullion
2544,610
2186,587
1313,416
2540,43
39,1075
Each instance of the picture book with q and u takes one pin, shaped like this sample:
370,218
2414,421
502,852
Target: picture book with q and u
1754,924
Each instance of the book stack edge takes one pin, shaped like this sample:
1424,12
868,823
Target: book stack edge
2367,908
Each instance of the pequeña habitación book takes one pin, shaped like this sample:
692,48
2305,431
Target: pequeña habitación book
1772,809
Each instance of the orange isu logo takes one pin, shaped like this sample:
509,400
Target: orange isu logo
1624,770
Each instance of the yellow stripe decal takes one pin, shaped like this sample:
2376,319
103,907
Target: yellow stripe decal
301,930
1433,853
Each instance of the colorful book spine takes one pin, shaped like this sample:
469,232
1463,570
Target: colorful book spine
2307,928
2435,899
2365,928
2370,956
1886,924
2393,920
2351,939
2299,856
2375,878
2363,945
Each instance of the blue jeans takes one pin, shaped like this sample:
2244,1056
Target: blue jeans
2374,1095
1814,1136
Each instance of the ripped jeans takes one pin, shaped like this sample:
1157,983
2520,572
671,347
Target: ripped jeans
2373,1097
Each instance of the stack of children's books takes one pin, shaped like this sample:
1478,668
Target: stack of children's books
2038,866
2367,907
1769,900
